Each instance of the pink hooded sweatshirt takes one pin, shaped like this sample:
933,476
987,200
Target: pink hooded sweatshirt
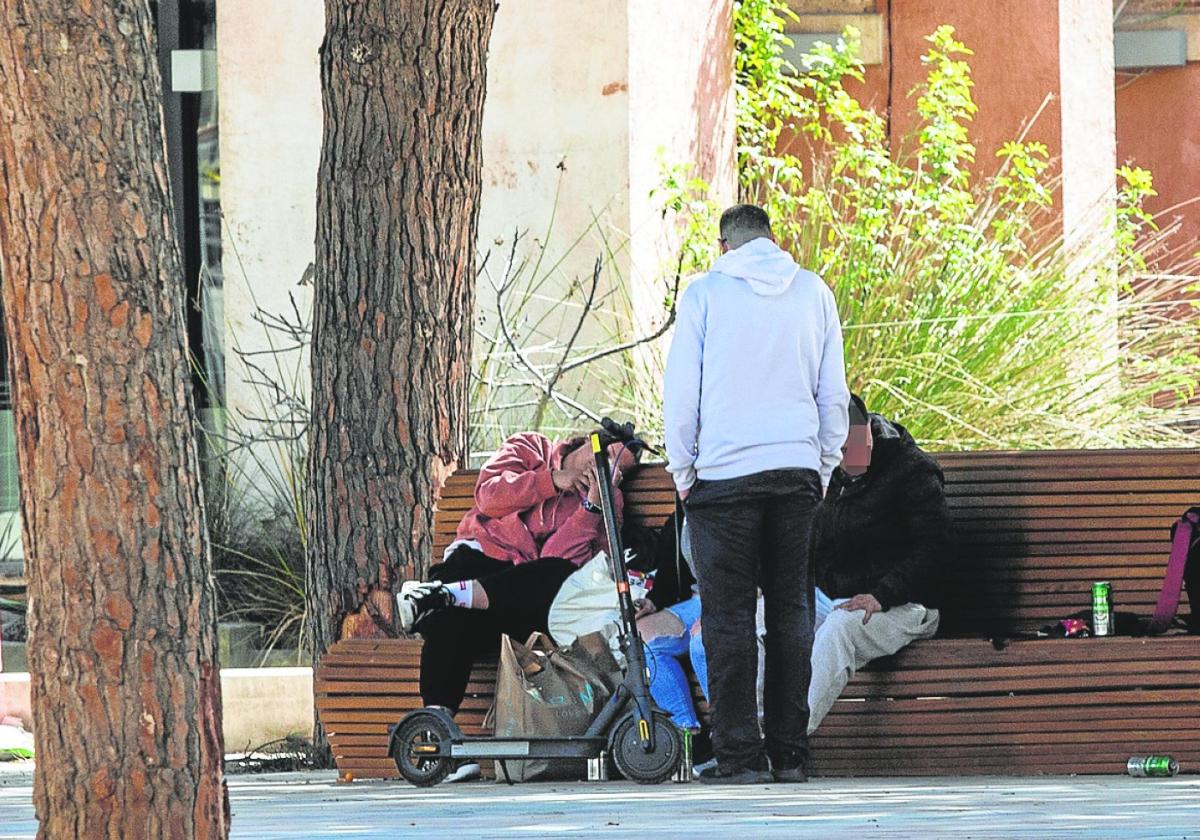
519,514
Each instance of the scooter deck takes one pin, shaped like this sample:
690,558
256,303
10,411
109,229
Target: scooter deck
574,746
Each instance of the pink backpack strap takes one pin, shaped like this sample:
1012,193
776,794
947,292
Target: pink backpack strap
1168,599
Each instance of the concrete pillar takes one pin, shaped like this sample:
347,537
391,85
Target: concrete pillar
1087,119
681,110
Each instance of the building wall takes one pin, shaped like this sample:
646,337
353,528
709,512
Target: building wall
1023,54
555,169
270,136
554,119
582,97
1088,111
1015,66
1158,127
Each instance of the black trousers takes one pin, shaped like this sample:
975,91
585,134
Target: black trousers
519,599
750,533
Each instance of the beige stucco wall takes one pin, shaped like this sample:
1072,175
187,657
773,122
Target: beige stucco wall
270,129
557,96
555,169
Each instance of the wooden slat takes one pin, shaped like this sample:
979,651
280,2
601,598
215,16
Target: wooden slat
1151,485
1046,742
1095,472
1045,517
886,688
363,717
1013,701
1178,500
997,765
1117,750
1136,459
333,687
365,702
1089,718
940,653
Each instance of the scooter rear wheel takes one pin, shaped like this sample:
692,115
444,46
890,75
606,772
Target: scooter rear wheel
411,742
637,765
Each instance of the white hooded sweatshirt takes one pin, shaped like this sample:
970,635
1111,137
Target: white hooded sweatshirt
756,378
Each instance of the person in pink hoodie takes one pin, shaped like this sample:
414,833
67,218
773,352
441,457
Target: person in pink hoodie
536,519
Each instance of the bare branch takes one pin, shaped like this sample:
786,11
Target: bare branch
587,308
638,342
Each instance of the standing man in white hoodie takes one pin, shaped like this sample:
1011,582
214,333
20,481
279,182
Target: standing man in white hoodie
755,414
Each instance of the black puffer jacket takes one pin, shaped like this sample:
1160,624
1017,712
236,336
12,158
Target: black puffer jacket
886,533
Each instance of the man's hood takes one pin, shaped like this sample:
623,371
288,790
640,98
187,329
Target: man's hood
884,429
766,267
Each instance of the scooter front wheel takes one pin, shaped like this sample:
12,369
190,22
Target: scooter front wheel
637,765
415,743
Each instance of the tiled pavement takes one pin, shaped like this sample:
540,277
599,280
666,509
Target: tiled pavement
312,805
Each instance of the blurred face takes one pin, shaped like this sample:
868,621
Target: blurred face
856,454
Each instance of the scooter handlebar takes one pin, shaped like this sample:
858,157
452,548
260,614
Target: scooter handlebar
611,432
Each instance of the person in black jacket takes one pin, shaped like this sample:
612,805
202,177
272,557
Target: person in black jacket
879,542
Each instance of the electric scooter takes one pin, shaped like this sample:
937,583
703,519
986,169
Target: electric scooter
644,743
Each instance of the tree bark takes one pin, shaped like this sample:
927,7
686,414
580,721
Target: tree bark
126,691
397,206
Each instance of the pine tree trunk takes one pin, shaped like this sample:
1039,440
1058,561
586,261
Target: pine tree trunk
126,692
397,206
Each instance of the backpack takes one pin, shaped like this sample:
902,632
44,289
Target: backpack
1183,568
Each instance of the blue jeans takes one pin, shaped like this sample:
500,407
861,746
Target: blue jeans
668,683
824,605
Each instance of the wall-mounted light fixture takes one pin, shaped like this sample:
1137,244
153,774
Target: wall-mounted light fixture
1145,48
193,71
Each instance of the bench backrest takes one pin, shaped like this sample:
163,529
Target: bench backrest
1035,529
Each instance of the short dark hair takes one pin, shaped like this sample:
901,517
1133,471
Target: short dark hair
743,222
858,411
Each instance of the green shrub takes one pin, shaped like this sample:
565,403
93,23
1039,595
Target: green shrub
968,316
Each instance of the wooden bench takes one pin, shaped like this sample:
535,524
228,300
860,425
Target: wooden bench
1035,530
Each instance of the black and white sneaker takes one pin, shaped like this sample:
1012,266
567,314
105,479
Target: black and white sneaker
418,599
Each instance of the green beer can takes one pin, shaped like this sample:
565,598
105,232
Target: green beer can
1102,612
1152,765
684,772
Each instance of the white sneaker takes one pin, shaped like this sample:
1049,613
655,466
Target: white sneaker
465,773
700,768
418,599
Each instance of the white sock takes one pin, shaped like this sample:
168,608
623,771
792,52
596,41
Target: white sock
463,591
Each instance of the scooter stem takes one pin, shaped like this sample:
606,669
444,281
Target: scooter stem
635,656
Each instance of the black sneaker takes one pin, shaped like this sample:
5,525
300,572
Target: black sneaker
417,600
721,775
790,775
788,767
